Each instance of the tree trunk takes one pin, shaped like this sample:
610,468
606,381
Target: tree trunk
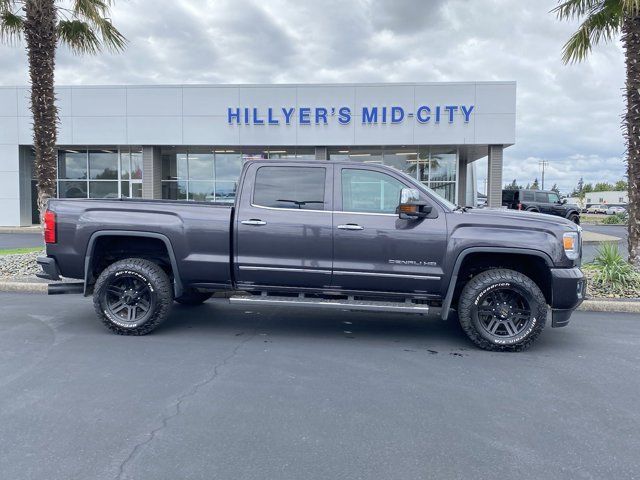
631,42
41,37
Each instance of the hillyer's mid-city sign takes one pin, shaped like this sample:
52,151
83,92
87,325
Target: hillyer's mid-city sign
344,115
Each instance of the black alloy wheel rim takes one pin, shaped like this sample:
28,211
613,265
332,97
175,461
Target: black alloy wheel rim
128,298
504,313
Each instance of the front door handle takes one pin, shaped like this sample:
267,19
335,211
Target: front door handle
351,226
253,221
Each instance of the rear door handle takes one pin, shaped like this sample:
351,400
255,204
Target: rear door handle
253,221
351,226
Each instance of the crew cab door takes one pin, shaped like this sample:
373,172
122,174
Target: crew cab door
283,226
375,250
555,205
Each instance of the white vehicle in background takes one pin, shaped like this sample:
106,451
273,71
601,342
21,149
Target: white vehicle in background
614,210
597,208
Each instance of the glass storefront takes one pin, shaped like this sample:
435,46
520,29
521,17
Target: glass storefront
110,172
211,174
436,167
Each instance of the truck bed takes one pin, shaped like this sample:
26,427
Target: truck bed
198,233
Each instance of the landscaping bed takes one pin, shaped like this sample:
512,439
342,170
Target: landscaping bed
596,289
20,264
610,276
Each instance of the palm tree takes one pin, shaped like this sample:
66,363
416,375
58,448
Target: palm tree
84,27
603,21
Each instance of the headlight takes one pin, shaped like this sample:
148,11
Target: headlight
571,244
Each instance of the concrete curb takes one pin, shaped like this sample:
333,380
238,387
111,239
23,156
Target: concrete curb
12,230
606,305
24,287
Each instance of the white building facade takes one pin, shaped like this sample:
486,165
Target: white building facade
189,141
610,198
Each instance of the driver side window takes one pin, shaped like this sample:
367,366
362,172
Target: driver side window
369,192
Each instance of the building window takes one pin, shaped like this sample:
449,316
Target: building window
202,174
131,172
435,167
109,172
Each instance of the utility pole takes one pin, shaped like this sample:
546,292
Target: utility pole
543,164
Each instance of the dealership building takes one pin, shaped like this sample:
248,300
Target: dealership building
189,141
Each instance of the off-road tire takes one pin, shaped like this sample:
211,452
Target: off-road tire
484,284
193,298
575,218
160,292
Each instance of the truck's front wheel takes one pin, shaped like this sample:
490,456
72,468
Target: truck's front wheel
502,310
132,296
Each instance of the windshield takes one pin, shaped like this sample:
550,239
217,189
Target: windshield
420,186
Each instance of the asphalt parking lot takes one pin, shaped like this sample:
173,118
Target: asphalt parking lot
20,240
590,250
225,392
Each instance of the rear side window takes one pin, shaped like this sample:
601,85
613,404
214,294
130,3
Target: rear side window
290,187
527,196
542,197
509,196
371,192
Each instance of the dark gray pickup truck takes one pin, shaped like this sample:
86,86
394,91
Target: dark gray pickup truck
348,236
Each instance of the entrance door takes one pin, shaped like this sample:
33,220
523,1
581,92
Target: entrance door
283,226
375,250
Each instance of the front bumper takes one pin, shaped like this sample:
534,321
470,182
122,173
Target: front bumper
568,289
49,267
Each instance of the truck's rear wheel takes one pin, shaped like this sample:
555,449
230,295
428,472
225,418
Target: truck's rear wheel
502,310
193,298
132,296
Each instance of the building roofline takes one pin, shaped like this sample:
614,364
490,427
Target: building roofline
277,85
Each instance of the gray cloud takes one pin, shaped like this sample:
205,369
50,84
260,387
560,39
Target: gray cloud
567,115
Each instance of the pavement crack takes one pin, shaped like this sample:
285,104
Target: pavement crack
175,409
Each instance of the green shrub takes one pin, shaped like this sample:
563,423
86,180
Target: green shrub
615,219
612,271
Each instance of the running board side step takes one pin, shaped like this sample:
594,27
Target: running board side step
338,304
61,288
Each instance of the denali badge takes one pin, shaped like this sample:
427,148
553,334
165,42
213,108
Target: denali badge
418,263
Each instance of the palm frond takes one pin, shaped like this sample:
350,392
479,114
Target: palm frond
11,26
92,10
601,25
78,36
8,5
93,28
571,9
111,36
631,7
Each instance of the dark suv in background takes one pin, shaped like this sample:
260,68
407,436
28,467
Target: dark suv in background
540,201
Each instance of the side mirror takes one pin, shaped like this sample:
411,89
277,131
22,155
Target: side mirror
411,206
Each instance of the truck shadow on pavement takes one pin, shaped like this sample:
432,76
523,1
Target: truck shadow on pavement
217,318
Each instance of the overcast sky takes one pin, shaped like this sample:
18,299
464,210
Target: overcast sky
567,115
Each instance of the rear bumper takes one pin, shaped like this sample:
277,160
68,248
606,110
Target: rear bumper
50,270
568,289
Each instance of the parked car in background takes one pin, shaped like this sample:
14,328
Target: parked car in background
540,201
597,208
616,209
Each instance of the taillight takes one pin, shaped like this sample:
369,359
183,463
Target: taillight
49,227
